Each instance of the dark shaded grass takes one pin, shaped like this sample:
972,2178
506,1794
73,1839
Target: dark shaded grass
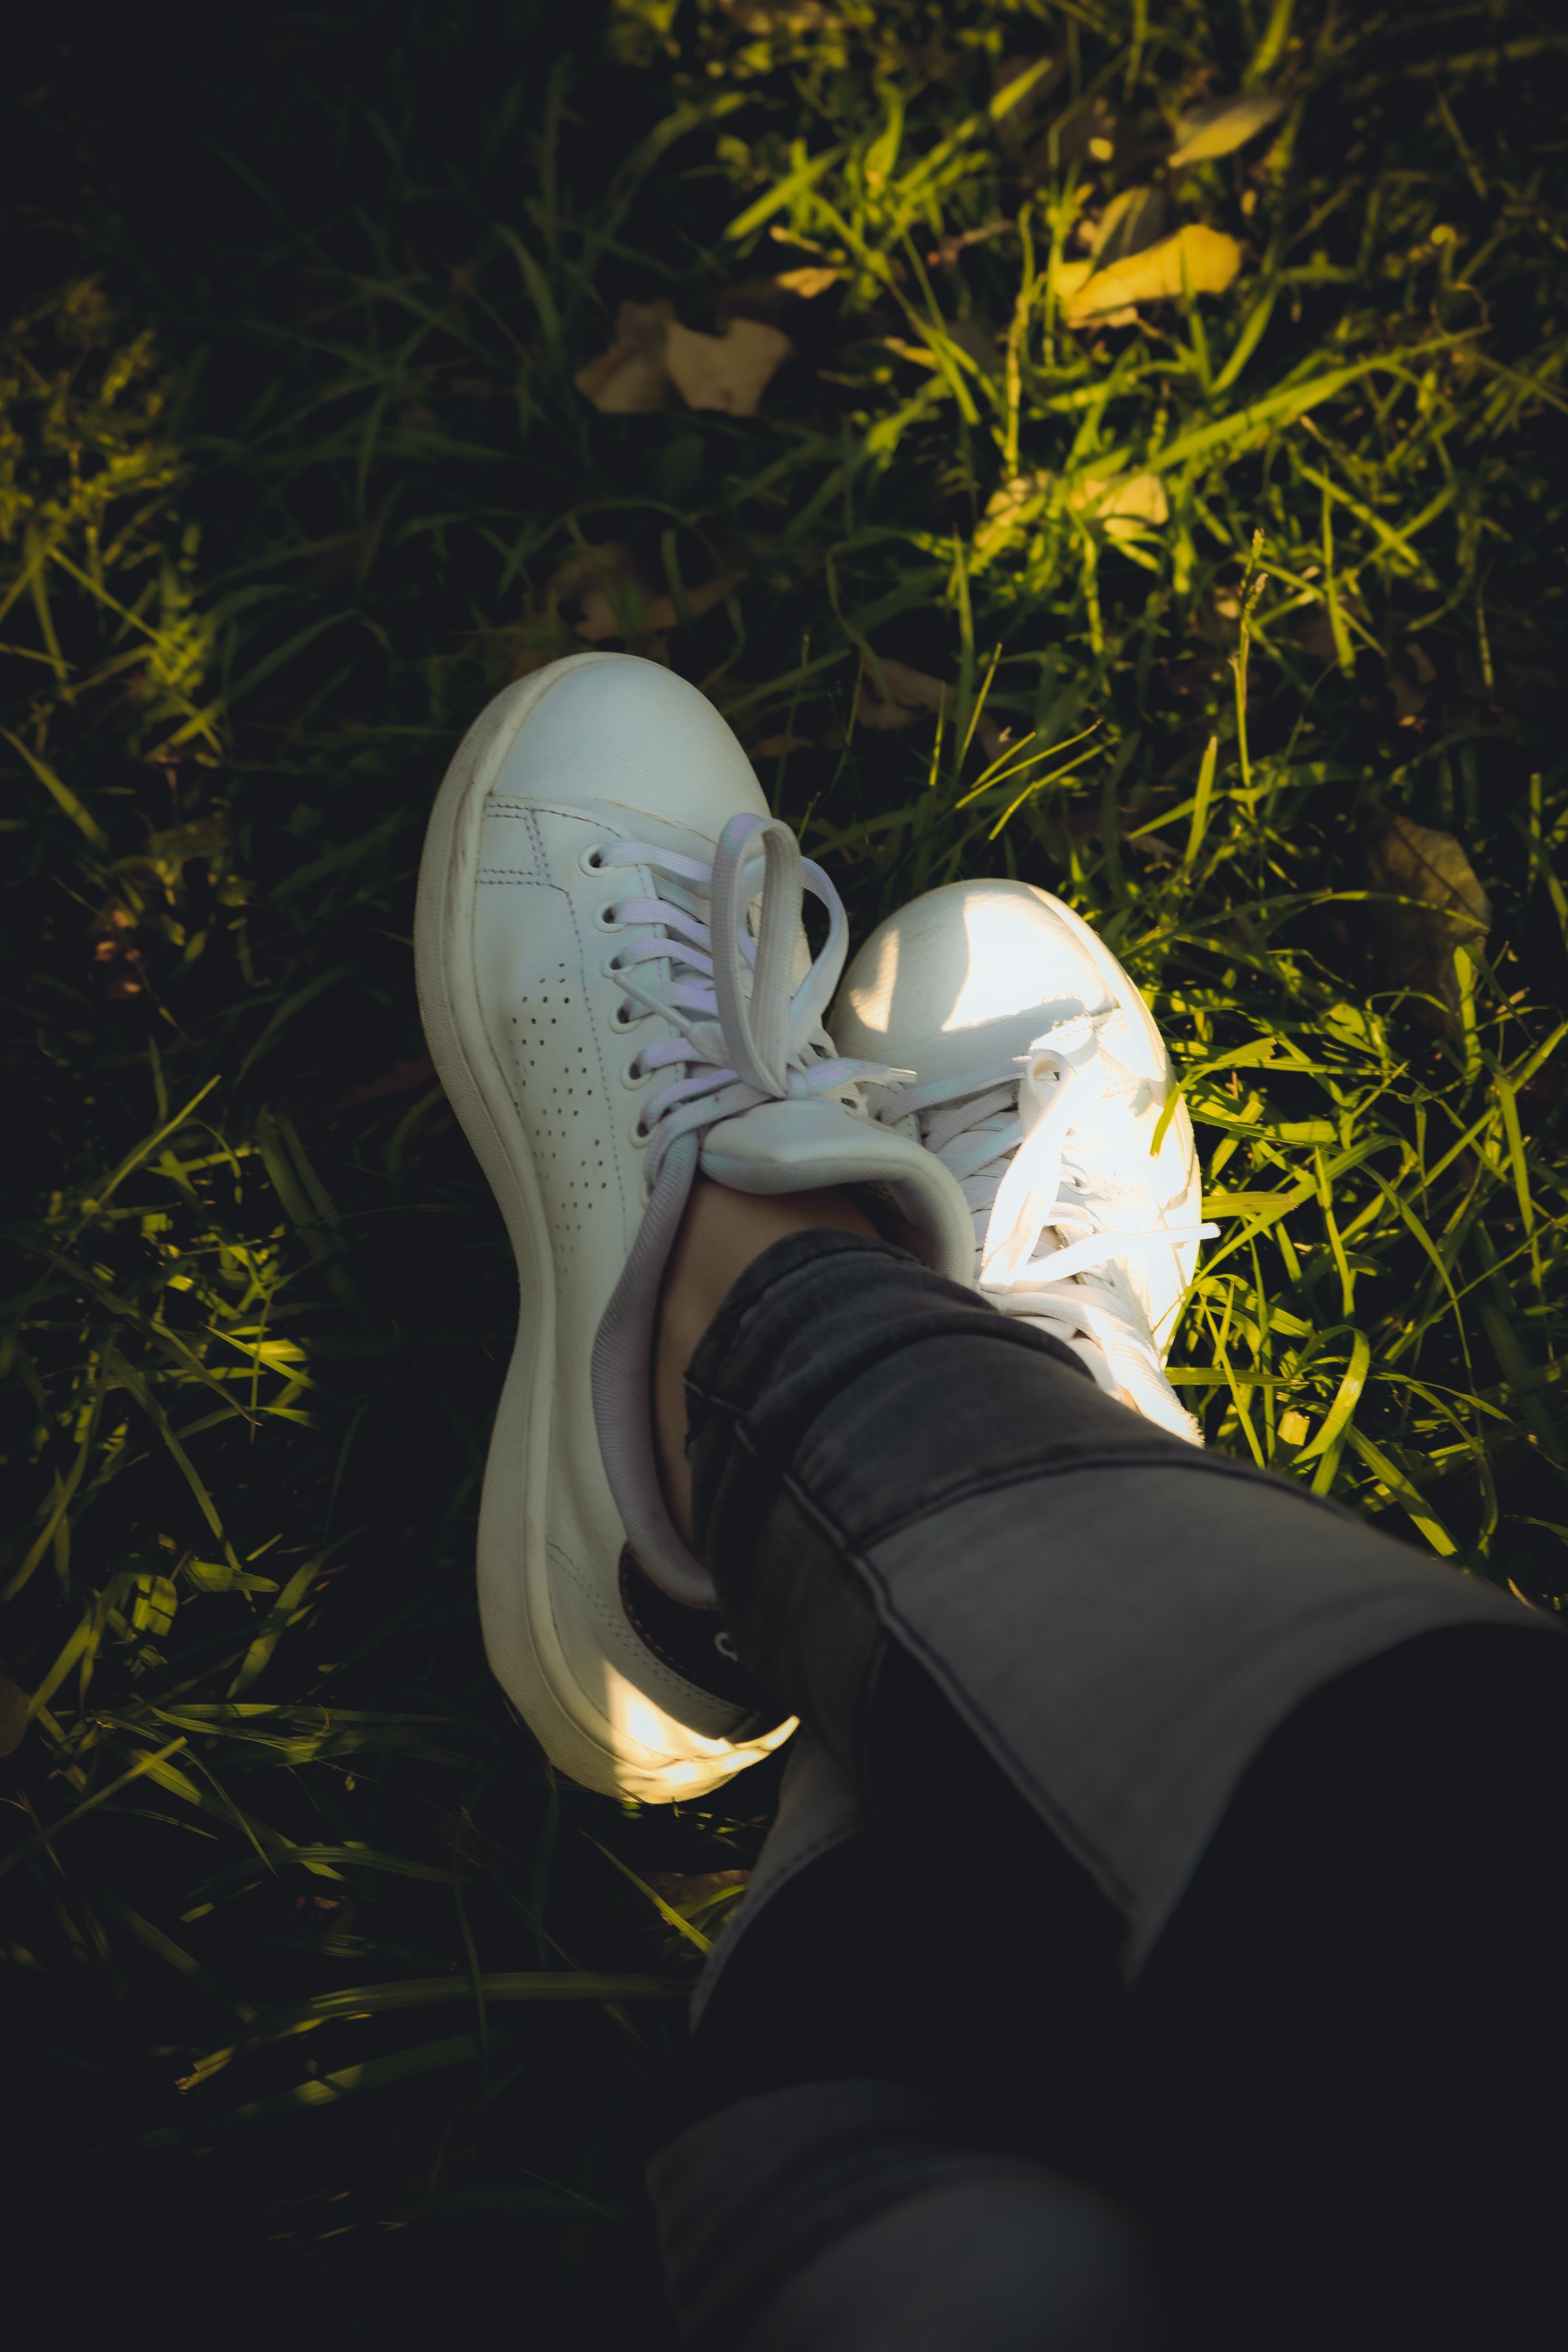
294,467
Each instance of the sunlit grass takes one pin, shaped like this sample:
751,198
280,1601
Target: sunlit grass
1239,624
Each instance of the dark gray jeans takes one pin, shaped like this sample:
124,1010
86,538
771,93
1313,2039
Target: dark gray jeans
1160,1935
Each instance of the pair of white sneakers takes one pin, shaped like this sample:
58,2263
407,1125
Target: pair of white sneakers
617,992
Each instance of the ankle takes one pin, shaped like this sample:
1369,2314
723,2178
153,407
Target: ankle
720,1234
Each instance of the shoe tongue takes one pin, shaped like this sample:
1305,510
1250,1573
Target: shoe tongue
940,996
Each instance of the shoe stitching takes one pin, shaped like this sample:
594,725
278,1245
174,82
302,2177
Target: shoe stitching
650,1641
617,1627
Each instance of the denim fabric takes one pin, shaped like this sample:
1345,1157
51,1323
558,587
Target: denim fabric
1121,1619
1330,2103
842,2217
1155,1825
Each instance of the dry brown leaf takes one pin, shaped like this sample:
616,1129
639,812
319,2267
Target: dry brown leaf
1212,258
604,586
729,371
631,377
1127,507
1223,124
892,695
775,746
1415,944
614,597
653,354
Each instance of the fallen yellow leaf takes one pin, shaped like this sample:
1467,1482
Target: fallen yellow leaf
1070,278
1223,124
1126,507
631,377
731,371
653,354
1212,258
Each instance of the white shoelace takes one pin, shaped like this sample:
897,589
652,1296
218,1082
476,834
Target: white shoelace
734,1048
689,964
1013,1134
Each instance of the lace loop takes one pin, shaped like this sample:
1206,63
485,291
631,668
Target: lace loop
743,1034
757,1031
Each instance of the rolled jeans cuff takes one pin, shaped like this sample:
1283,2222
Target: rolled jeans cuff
838,2217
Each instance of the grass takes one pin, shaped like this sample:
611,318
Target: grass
1239,621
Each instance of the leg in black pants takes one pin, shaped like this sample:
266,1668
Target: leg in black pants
1334,2098
1326,2080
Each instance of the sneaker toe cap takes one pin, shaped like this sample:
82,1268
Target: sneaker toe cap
613,730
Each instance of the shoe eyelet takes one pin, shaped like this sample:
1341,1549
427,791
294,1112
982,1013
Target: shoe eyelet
633,1075
641,1136
605,918
592,861
624,1018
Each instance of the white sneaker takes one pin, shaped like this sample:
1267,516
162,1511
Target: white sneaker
615,989
1041,1082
